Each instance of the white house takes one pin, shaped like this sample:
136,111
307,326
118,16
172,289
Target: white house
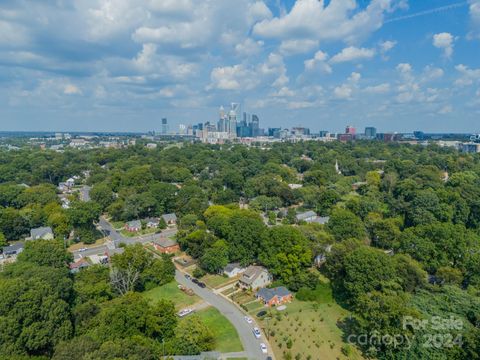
233,269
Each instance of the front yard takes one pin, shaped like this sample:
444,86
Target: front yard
147,231
171,292
226,336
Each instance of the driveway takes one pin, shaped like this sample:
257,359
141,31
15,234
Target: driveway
251,345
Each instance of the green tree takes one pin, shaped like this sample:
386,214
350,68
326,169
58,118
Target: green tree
193,337
46,253
215,258
343,224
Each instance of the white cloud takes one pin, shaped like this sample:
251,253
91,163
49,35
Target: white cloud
249,47
444,41
387,46
352,53
258,11
319,62
343,92
468,76
378,89
236,77
297,46
71,89
339,20
474,10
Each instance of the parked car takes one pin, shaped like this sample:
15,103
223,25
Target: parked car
257,333
195,281
201,284
248,319
188,277
82,249
264,349
261,313
185,312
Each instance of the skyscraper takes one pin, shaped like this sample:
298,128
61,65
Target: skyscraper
350,130
164,126
232,120
254,126
370,132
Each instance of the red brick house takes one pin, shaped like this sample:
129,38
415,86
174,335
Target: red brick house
274,297
166,246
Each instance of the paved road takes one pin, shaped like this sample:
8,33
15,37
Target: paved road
251,345
116,239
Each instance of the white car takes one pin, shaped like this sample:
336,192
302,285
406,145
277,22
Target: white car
184,312
248,319
257,333
82,249
264,349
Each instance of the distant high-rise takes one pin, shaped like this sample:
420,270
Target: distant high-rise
255,126
221,124
232,120
164,126
350,130
370,132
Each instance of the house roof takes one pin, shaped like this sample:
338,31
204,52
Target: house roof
232,266
12,248
164,242
169,217
40,232
268,294
322,220
79,264
151,220
252,273
306,215
134,224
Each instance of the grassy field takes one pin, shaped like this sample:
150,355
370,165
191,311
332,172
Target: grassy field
309,329
171,292
138,233
226,335
216,281
81,245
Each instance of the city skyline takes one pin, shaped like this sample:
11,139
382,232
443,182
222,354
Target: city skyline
99,65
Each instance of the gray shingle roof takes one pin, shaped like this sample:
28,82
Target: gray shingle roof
134,224
231,267
165,242
40,232
306,215
12,249
169,217
268,294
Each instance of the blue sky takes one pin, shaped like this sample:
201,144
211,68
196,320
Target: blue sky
122,65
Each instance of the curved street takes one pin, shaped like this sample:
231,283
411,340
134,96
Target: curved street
251,345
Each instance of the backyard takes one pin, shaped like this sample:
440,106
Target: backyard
305,329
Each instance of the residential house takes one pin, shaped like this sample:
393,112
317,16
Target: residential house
170,219
322,220
79,265
295,186
133,226
321,258
307,216
233,269
274,297
255,277
166,246
152,223
13,250
98,259
41,233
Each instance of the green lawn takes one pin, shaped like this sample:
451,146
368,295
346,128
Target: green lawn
226,336
171,292
216,281
312,329
138,233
